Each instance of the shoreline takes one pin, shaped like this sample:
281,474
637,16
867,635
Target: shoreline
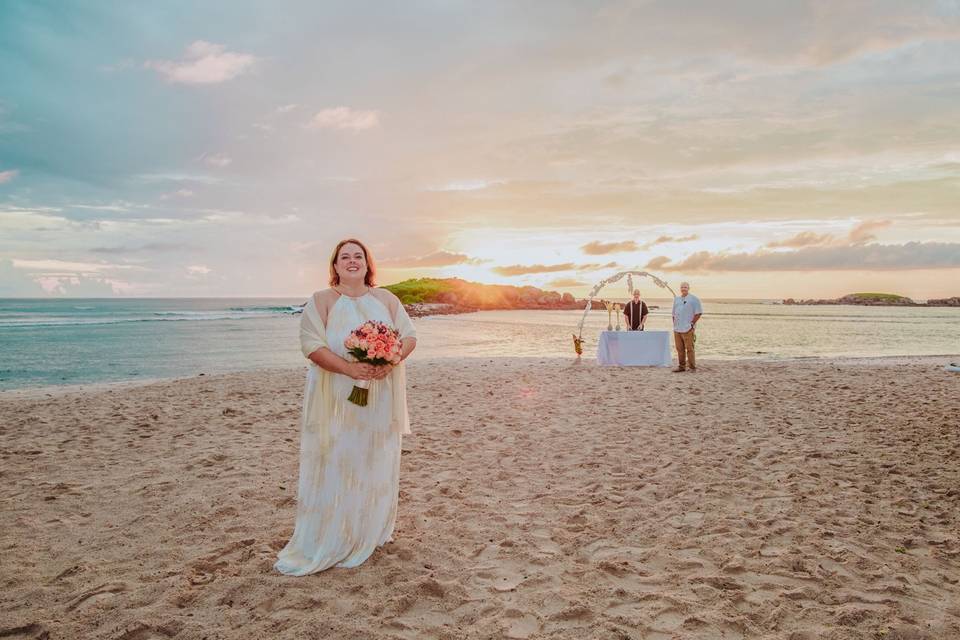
54,390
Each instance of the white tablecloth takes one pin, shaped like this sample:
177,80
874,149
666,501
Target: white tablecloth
634,348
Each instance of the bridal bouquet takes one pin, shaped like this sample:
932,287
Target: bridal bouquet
374,343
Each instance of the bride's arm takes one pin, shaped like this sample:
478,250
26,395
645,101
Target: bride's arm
328,360
406,347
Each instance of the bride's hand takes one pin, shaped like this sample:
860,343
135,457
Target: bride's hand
382,371
361,371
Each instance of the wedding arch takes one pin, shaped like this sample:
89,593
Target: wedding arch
578,338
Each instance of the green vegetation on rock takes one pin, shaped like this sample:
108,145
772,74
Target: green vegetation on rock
463,295
879,297
865,299
419,290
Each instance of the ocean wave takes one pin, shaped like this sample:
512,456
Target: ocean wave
285,309
248,313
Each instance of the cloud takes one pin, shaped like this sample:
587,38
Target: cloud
177,177
150,247
657,263
863,232
7,176
814,32
65,265
522,270
204,63
803,239
16,283
597,248
114,208
563,283
218,160
179,193
860,257
440,258
198,270
602,248
344,118
86,286
467,185
39,219
273,118
62,277
666,239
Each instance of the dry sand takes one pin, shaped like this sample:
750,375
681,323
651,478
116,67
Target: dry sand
539,499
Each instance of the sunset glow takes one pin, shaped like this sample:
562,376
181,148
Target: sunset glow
222,149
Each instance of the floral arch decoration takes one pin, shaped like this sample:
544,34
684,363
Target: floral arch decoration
578,337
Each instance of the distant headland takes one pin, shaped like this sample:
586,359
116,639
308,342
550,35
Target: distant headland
881,300
437,296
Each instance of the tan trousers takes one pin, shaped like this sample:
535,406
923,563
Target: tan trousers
684,343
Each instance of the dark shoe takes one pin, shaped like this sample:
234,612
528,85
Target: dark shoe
679,369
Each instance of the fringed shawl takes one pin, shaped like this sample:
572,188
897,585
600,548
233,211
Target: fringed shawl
319,404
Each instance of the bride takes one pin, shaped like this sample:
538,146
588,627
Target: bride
349,455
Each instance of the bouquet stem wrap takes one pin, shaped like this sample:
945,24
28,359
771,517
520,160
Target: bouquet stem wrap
360,394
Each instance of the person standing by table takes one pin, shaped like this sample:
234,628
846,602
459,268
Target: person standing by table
635,312
686,313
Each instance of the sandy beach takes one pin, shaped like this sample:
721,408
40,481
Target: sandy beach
539,499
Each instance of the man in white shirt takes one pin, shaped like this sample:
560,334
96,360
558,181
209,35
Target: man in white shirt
686,313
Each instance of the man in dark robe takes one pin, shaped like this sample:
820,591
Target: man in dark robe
635,312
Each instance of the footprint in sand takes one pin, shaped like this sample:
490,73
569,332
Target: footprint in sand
212,460
574,614
143,631
32,630
633,611
102,592
688,519
204,570
668,619
519,624
501,579
542,539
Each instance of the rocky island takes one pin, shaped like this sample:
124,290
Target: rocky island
880,300
433,296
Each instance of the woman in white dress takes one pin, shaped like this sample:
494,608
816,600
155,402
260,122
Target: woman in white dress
349,455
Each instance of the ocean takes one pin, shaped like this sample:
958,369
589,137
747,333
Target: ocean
81,341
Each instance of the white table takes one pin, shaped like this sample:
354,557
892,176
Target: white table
634,348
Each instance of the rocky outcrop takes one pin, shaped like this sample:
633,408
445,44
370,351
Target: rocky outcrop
454,295
420,309
862,299
880,300
944,302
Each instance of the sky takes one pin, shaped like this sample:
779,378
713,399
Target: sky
757,149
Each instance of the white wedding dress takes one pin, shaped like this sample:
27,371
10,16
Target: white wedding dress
350,465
